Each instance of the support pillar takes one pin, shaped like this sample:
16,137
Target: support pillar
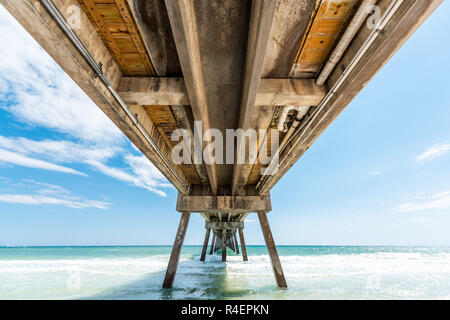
243,247
205,244
212,244
236,243
224,245
274,259
176,250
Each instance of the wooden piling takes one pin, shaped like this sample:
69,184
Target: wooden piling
224,245
176,250
274,258
205,244
243,247
236,243
212,244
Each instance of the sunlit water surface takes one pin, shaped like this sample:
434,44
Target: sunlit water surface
311,273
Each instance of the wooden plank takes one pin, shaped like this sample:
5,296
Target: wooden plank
205,244
328,24
184,28
261,19
212,244
274,258
243,247
135,35
176,250
172,91
99,21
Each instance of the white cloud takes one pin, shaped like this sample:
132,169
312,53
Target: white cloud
40,199
434,152
21,160
375,173
37,91
438,201
40,193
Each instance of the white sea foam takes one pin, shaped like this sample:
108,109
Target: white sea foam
378,275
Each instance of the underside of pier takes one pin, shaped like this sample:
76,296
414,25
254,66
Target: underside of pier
284,68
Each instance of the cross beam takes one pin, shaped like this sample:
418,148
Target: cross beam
172,91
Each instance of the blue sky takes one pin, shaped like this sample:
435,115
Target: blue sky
379,175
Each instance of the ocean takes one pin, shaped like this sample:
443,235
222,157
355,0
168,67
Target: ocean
312,272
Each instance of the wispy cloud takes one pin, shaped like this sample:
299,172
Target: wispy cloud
437,201
434,152
40,199
41,193
38,92
375,173
21,160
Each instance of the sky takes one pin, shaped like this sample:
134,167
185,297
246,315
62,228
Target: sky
379,175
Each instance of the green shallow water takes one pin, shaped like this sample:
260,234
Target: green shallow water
312,272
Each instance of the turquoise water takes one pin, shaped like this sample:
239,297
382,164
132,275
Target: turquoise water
311,272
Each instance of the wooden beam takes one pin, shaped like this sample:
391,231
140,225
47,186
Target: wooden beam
172,91
176,250
205,244
274,259
243,247
261,19
224,246
212,244
184,29
223,204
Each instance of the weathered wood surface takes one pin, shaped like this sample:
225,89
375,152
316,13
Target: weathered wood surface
225,204
270,243
176,250
224,225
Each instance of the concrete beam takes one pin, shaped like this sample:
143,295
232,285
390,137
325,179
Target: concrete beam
261,19
223,204
184,29
153,91
172,91
224,225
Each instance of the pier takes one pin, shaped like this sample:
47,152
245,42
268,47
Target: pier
222,96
